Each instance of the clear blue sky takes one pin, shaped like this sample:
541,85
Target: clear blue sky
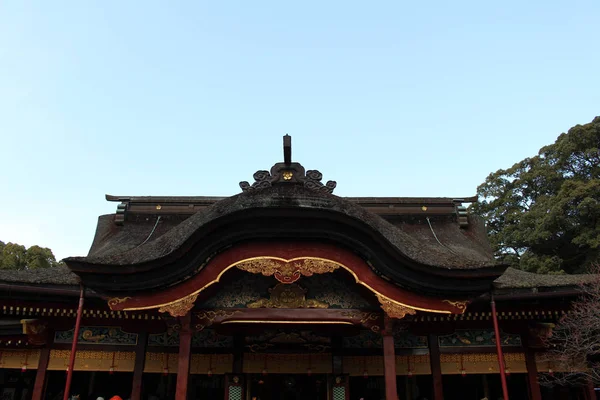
389,98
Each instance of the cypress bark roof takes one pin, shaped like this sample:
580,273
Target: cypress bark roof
511,279
444,244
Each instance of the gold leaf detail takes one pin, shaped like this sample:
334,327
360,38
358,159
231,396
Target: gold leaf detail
117,300
310,266
262,266
287,296
461,305
180,307
288,271
207,317
394,310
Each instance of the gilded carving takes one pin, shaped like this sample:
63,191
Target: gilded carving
461,305
117,300
288,271
394,310
367,319
287,296
309,266
207,317
181,307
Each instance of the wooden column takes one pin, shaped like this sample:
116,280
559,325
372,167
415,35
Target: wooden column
41,374
436,367
389,361
138,368
590,392
532,371
185,354
238,354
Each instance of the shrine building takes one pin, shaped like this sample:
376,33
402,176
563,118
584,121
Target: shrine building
284,291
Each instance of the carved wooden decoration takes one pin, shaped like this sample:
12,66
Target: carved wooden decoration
394,310
181,307
288,172
288,272
287,296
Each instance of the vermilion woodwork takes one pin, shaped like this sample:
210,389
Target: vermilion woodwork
389,362
205,318
185,355
532,371
74,345
436,367
499,353
138,369
212,272
40,375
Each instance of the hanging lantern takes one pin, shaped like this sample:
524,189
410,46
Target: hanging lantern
550,372
24,366
166,367
210,370
463,373
365,374
410,373
409,369
507,371
111,370
265,371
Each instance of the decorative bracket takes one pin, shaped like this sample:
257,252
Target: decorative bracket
288,173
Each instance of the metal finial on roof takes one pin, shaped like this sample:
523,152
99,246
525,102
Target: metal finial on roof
287,149
288,173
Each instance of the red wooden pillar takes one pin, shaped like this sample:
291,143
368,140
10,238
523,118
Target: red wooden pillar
499,350
436,367
532,371
138,368
185,354
74,345
389,361
41,373
590,391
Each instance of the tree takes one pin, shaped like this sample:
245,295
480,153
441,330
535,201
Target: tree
39,257
543,213
16,256
574,345
13,256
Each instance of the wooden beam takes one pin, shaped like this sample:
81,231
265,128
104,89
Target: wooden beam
389,361
138,369
41,373
185,354
436,367
532,371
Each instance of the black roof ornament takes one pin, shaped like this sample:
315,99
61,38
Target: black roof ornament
288,173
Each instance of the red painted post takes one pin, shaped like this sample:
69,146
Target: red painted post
389,361
183,363
436,367
40,376
74,345
138,369
499,351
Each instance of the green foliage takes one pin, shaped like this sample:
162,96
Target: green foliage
16,256
543,213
